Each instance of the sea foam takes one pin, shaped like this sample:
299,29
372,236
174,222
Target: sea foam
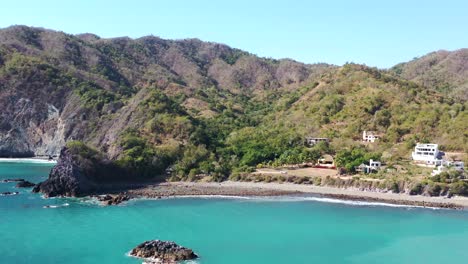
56,206
27,160
291,199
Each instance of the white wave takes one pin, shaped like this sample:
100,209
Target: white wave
27,160
56,206
9,193
214,196
294,199
337,201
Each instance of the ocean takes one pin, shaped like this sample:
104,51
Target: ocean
223,230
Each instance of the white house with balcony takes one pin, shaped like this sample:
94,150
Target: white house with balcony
373,166
427,154
312,141
448,165
370,136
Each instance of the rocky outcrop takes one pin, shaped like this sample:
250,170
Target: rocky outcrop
67,178
162,252
25,184
113,199
21,183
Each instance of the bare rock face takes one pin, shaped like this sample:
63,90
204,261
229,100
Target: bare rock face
162,252
67,178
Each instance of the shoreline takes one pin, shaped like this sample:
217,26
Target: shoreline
31,160
251,189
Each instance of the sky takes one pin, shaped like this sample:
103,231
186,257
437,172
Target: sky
376,33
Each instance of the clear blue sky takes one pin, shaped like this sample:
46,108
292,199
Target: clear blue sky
377,33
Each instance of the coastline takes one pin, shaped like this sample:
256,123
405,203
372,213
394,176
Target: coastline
230,188
29,160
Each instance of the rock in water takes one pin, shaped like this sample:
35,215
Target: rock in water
162,252
113,200
25,184
67,178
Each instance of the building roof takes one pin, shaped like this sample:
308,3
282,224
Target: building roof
426,145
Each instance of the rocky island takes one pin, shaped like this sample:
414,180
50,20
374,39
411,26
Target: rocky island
164,252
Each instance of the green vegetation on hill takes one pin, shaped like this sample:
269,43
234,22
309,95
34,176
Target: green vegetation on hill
163,108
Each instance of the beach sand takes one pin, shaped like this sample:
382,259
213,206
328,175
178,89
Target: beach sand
230,188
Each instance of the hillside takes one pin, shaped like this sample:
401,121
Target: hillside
445,71
181,108
57,87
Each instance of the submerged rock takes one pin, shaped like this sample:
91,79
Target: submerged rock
25,184
162,252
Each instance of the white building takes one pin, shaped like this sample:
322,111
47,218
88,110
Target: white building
311,141
427,153
370,136
447,165
373,166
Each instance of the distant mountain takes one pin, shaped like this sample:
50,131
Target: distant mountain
445,71
186,107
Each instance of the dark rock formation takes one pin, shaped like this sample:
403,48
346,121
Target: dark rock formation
8,193
113,200
162,251
67,178
25,184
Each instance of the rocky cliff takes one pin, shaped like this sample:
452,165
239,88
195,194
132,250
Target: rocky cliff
68,178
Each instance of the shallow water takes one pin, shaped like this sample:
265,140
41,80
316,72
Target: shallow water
223,230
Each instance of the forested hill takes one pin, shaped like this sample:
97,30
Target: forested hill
196,107
79,83
442,70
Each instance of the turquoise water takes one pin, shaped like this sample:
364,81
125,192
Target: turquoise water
292,230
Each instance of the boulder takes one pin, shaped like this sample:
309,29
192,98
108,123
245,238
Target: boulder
162,252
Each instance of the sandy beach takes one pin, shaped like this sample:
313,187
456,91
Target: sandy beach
230,188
